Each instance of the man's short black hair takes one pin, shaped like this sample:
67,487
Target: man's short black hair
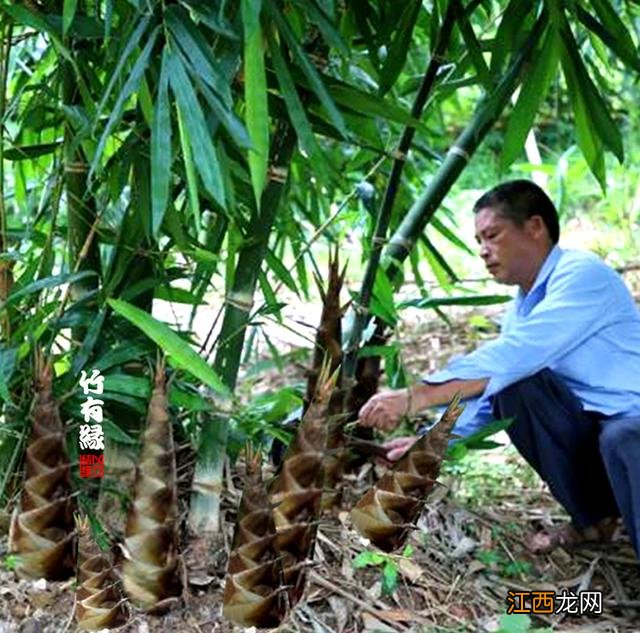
518,200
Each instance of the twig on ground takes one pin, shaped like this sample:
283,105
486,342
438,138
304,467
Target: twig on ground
327,584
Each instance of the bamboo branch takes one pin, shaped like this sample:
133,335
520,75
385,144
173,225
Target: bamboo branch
81,211
6,277
487,113
386,208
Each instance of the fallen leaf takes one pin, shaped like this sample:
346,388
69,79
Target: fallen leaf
373,624
410,570
341,612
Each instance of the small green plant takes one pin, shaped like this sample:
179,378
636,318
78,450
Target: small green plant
519,623
504,566
11,562
388,564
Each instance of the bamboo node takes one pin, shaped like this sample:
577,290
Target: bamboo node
404,242
398,155
241,300
456,150
76,168
278,174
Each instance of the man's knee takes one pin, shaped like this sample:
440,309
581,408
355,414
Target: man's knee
621,437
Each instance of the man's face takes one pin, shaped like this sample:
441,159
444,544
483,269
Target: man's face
508,250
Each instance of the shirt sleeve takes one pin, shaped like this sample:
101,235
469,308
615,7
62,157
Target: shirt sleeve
578,299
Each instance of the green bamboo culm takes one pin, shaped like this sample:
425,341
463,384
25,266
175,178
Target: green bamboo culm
81,209
207,484
487,113
386,208
6,278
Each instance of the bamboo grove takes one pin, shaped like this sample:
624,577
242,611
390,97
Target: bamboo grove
178,151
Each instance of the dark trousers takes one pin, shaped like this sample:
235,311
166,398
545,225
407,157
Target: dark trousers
591,464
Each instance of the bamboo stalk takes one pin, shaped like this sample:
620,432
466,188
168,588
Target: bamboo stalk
204,515
463,148
6,276
81,209
384,213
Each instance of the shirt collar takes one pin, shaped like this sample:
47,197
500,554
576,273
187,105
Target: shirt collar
545,270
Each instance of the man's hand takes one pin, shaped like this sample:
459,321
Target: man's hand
385,410
397,447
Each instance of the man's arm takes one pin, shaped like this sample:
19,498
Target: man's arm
385,410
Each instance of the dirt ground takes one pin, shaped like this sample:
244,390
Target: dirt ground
468,549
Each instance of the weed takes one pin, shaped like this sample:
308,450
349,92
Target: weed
388,565
504,566
11,562
519,623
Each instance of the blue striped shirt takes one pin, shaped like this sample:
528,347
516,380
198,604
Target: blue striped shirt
579,320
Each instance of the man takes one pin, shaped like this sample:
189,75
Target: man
566,367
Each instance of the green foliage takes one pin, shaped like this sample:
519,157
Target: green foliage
386,563
177,349
503,565
519,623
11,561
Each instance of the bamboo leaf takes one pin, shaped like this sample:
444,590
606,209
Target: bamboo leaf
204,152
160,151
255,92
295,108
174,346
68,13
531,95
231,123
198,52
439,260
435,302
399,49
89,342
280,270
113,432
48,282
313,76
187,400
24,15
510,26
125,384
382,301
370,105
475,52
612,32
132,42
192,181
595,105
28,152
271,305
329,31
8,359
127,90
590,144
176,295
448,234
